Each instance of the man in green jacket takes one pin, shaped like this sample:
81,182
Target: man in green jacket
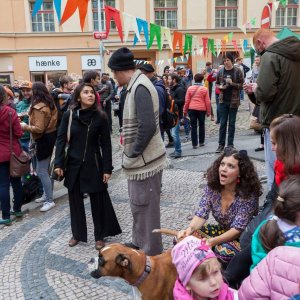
277,91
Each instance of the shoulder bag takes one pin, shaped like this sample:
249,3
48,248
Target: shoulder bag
18,165
53,175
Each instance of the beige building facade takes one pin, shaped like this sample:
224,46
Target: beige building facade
39,49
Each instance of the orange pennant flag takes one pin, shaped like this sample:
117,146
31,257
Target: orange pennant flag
70,9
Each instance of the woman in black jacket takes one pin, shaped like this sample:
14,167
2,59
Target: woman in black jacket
87,169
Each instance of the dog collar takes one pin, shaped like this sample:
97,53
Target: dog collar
146,272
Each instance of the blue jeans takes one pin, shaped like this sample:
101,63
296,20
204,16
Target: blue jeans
42,172
227,114
187,126
176,138
5,181
197,119
25,145
270,158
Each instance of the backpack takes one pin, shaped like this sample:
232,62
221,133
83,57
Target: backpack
170,115
30,188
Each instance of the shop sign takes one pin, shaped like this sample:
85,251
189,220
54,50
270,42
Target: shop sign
100,35
90,62
47,63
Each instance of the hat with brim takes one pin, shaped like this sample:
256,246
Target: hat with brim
26,85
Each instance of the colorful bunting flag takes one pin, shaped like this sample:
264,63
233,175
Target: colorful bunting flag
112,13
230,36
166,34
234,43
205,41
218,46
38,4
130,24
223,47
188,41
155,31
283,2
211,46
177,38
142,25
243,28
70,9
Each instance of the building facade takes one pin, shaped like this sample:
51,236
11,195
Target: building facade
39,49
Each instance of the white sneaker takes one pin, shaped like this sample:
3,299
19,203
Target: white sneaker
40,200
47,206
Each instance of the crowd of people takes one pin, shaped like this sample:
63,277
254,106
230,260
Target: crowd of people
248,242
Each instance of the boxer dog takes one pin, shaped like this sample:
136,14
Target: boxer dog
154,276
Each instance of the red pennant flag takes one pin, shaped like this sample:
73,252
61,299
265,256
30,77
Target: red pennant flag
113,13
205,41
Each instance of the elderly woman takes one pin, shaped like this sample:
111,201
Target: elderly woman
231,195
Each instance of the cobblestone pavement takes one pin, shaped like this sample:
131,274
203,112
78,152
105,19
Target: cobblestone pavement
37,263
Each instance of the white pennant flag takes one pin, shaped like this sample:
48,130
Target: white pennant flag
243,28
242,45
166,33
130,24
276,4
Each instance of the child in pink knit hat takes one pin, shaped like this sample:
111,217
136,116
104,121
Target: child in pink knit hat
199,272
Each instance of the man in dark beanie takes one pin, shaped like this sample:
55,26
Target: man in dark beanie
144,156
230,81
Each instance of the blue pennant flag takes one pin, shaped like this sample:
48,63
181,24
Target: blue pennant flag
38,6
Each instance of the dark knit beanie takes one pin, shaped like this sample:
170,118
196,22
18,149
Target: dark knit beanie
147,68
229,56
121,60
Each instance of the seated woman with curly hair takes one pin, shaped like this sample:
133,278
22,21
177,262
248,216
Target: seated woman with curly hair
231,195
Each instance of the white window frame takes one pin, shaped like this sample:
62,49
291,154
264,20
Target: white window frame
42,13
164,21
282,16
226,10
95,15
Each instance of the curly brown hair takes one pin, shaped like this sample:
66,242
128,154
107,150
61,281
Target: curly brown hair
249,184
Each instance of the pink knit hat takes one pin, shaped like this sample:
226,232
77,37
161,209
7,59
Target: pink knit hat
188,254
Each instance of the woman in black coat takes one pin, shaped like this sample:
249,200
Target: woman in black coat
87,169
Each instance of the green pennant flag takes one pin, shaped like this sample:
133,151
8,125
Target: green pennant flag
155,30
188,43
211,46
253,21
283,2
230,36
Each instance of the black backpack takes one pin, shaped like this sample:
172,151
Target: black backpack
170,115
30,188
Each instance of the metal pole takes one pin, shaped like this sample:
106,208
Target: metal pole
101,29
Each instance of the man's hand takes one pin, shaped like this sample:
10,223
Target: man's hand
228,81
59,172
104,103
250,88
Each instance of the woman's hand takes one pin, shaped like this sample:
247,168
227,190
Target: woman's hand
106,177
59,172
184,233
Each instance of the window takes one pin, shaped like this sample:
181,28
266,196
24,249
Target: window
95,3
226,13
165,12
287,16
44,19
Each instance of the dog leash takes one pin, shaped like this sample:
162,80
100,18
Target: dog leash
146,272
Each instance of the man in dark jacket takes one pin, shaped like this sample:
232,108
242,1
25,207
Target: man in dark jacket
278,84
106,92
178,94
148,70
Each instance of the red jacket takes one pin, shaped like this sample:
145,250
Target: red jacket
4,133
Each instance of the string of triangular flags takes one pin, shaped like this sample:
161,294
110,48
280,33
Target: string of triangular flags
190,46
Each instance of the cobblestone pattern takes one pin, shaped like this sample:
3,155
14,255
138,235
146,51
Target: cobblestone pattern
36,262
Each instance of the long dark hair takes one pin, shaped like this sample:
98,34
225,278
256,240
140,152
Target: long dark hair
249,184
285,130
76,96
3,95
40,93
286,207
